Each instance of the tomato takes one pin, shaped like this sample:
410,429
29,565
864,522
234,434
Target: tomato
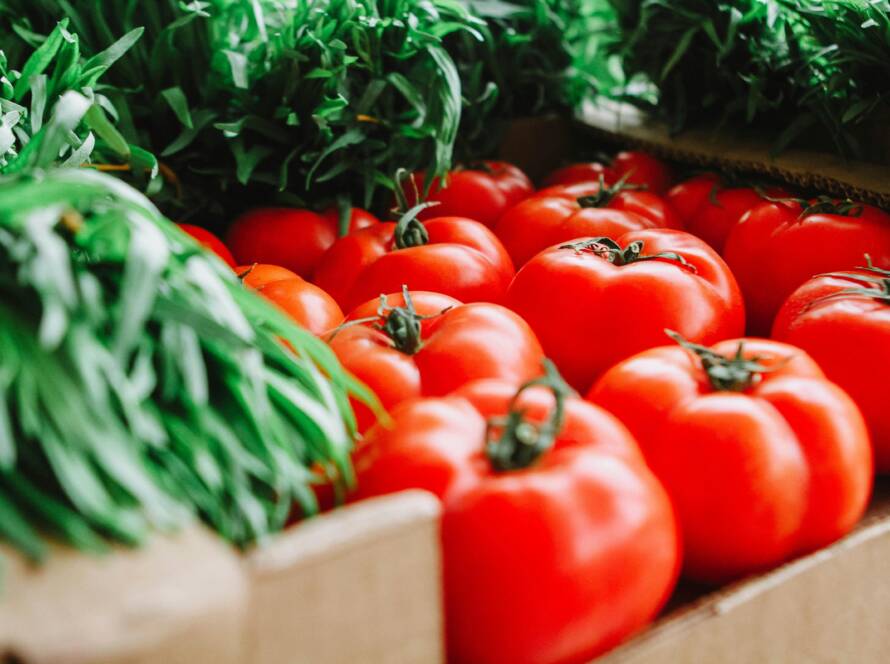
582,172
209,240
542,221
554,549
643,169
306,303
843,321
259,274
710,209
430,344
449,255
763,457
596,301
481,194
292,238
776,247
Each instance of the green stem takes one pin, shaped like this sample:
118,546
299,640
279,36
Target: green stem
725,373
521,443
876,284
605,194
610,250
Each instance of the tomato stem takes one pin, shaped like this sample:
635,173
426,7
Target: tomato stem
819,205
733,373
610,250
876,284
605,193
520,443
409,232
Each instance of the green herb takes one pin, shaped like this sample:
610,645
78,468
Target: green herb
140,383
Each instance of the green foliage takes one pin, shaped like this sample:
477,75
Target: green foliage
809,72
141,383
306,100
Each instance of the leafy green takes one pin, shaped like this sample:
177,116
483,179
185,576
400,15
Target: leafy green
140,382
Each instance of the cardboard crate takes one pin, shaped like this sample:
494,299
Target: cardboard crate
359,584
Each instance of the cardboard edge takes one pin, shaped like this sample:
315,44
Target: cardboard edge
712,148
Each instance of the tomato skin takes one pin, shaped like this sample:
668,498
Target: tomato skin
306,303
686,197
260,274
784,467
462,259
554,563
644,169
581,172
772,252
480,195
537,223
209,240
289,237
849,336
589,314
466,342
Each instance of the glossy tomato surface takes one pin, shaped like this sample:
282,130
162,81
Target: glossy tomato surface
553,563
462,259
590,311
306,303
590,171
209,240
292,238
773,249
481,194
456,343
759,472
259,274
843,322
643,169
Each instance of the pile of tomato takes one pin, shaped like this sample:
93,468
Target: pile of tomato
568,370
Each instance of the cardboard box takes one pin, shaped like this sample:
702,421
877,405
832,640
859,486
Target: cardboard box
359,584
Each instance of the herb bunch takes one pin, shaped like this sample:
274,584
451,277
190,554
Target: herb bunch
141,383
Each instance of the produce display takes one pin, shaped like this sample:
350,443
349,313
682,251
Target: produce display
261,258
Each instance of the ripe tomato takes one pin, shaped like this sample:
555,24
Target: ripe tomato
430,344
710,209
259,274
643,169
449,255
480,193
555,548
843,321
764,458
209,240
292,238
776,247
596,301
306,303
542,221
590,171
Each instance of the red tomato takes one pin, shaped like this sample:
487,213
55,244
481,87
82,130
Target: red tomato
644,169
542,221
292,238
449,255
260,274
583,172
555,549
481,194
597,301
433,345
843,322
209,240
306,303
764,458
773,250
711,210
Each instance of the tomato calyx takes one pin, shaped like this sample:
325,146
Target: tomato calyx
820,205
726,373
876,284
606,193
514,443
243,275
610,250
409,231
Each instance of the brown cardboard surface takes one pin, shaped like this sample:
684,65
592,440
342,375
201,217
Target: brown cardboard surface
728,150
361,584
830,606
179,600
